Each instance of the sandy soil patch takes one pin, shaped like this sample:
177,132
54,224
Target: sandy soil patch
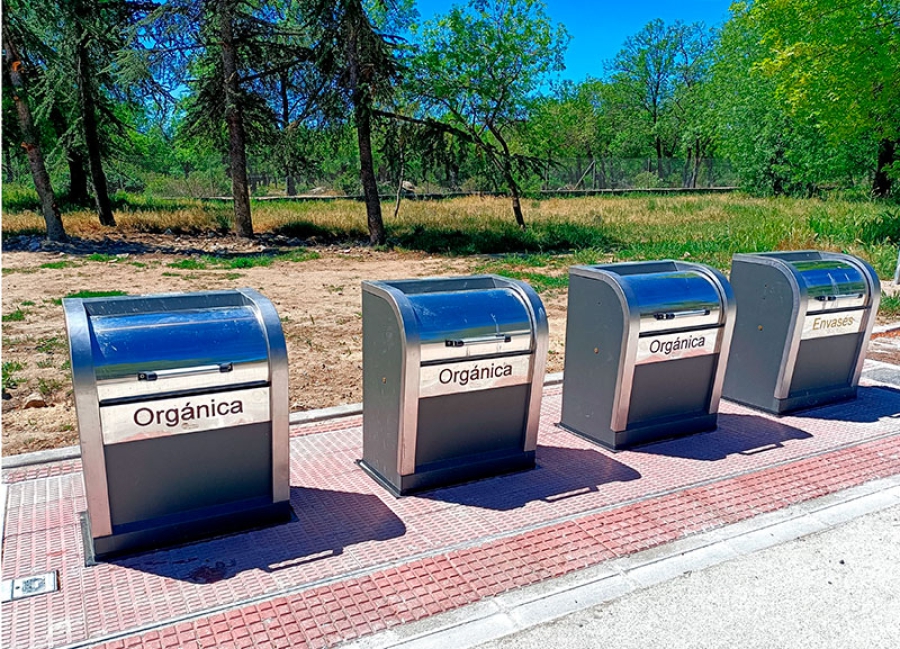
319,303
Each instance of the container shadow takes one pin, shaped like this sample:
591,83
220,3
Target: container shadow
871,404
736,434
560,473
325,522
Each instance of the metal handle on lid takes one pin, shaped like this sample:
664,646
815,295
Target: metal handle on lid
842,296
671,315
185,371
496,338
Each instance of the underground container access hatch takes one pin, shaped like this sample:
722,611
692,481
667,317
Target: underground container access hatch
646,346
453,373
803,322
182,408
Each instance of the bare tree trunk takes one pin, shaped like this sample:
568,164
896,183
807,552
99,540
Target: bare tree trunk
290,182
377,235
695,176
881,186
92,138
78,178
659,155
363,115
9,173
234,116
399,184
49,208
506,169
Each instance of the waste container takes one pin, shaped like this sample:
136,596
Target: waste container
646,346
803,322
453,373
182,411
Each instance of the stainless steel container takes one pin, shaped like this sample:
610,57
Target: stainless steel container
182,414
646,345
803,322
453,372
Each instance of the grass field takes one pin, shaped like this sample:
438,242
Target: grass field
702,228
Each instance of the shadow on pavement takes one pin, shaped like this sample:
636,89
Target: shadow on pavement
325,523
561,473
871,404
736,434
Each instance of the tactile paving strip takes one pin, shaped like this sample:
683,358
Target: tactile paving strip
358,560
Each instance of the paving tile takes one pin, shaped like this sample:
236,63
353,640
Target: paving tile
357,560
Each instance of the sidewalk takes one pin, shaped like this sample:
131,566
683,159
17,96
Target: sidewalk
836,589
357,561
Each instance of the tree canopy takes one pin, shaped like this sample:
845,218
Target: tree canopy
362,97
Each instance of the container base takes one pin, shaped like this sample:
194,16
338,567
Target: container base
183,528
803,401
452,472
640,435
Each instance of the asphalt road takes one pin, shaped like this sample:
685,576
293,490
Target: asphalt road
838,589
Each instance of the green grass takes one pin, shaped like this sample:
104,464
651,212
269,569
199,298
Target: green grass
88,294
561,231
188,264
58,265
48,386
298,256
541,237
10,382
15,316
24,271
100,256
890,306
51,345
209,262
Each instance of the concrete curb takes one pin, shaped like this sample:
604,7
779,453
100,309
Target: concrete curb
296,419
524,608
885,328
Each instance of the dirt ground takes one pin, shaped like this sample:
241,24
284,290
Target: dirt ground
318,300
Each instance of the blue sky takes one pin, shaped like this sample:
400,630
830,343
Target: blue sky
599,27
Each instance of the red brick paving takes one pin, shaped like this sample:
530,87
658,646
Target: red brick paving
388,561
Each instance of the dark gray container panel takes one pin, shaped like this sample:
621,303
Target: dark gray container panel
644,346
803,321
452,379
182,414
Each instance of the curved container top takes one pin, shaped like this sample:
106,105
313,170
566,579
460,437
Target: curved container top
141,346
679,299
147,343
453,320
666,295
458,318
832,283
829,280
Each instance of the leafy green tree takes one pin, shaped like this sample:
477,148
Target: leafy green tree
478,69
838,65
652,83
773,147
